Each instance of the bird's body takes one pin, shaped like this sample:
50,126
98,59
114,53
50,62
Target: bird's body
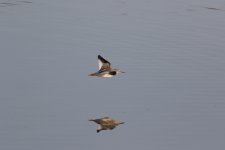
105,69
106,123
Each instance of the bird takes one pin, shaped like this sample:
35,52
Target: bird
106,123
105,69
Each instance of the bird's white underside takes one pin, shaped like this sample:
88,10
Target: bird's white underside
107,76
99,127
99,64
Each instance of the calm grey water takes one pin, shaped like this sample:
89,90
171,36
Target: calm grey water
172,96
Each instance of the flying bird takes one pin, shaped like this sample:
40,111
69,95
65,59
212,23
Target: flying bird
105,69
106,123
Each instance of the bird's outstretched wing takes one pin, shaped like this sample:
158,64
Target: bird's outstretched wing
103,64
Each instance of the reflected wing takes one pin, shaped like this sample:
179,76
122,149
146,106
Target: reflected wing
103,64
104,120
98,121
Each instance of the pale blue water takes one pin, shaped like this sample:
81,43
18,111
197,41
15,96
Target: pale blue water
172,96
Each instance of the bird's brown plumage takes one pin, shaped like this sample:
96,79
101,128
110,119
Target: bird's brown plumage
106,123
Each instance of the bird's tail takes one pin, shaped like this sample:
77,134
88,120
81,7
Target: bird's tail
94,74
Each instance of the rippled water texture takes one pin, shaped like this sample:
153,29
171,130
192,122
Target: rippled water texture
172,96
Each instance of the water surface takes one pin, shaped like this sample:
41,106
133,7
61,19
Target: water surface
171,96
